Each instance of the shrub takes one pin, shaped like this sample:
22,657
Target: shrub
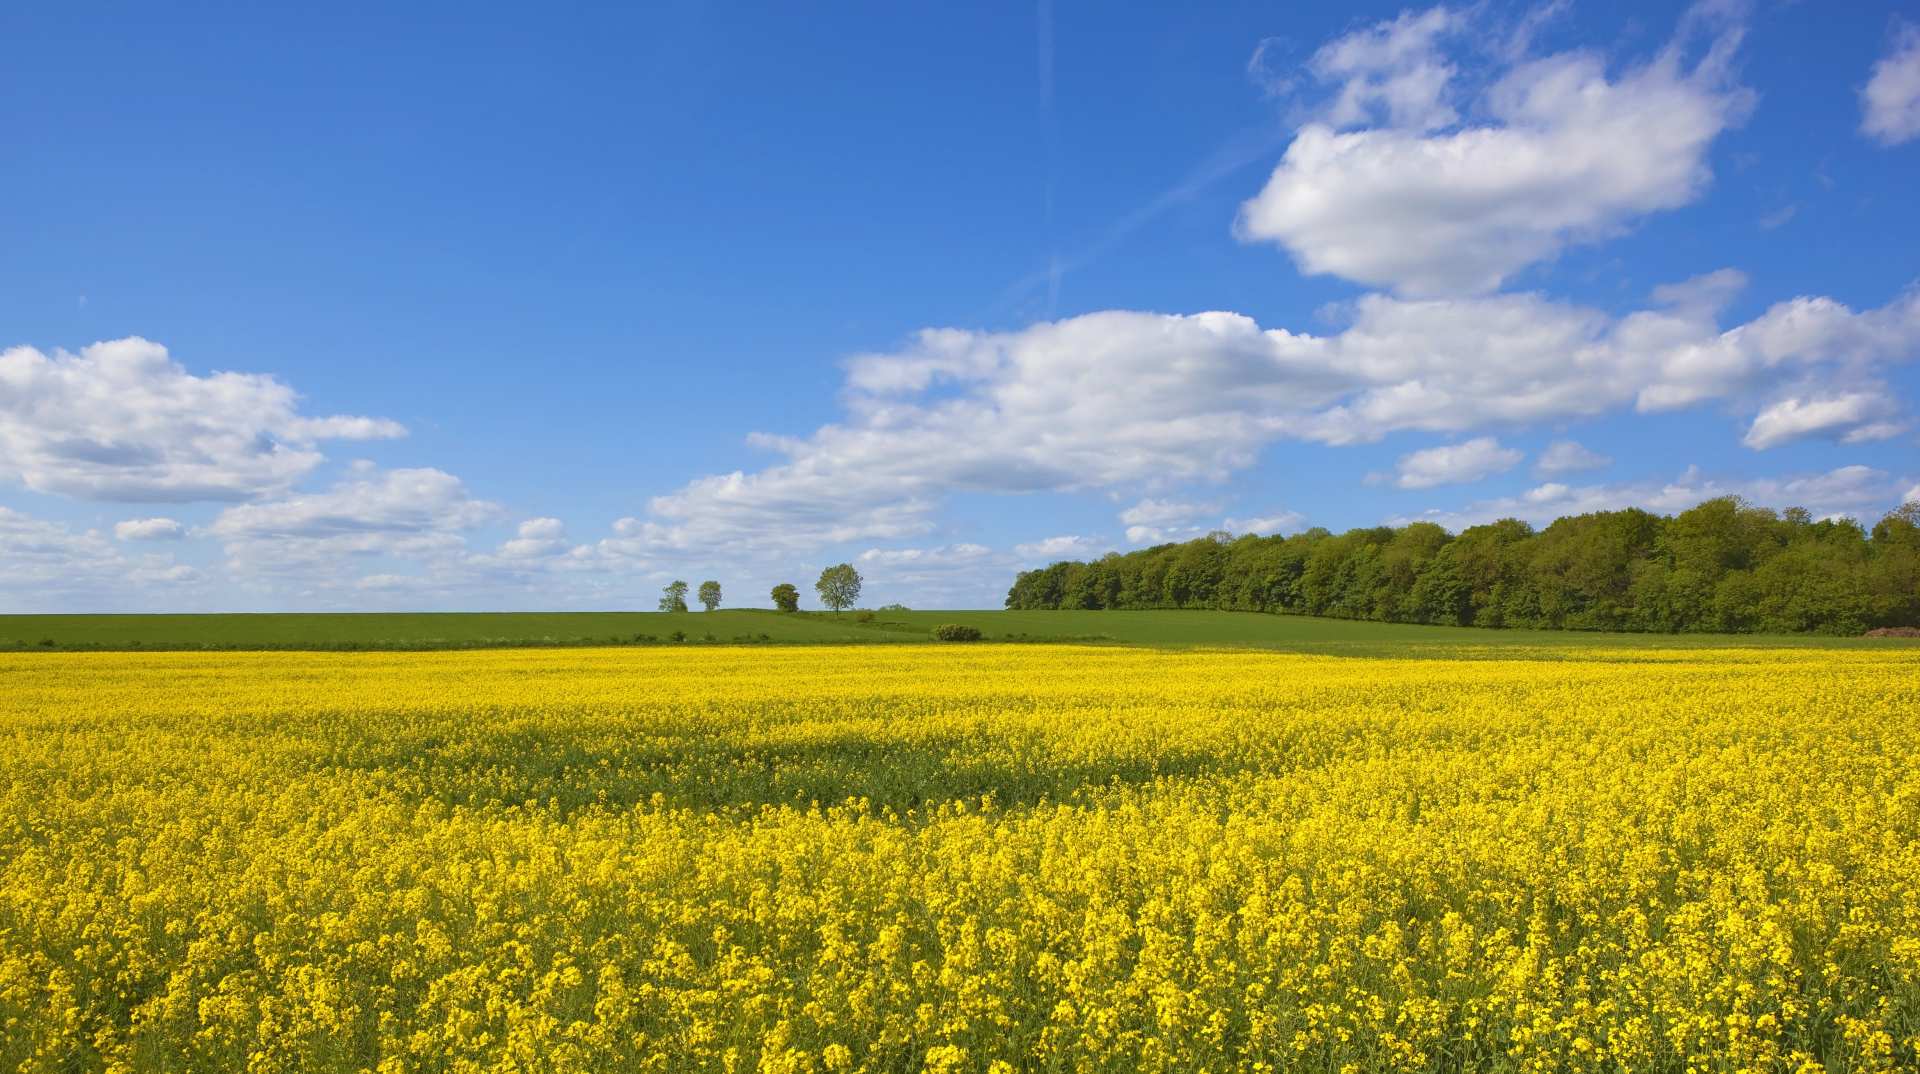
863,617
956,632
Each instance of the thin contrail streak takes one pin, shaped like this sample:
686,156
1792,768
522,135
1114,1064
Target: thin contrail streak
1245,148
1043,42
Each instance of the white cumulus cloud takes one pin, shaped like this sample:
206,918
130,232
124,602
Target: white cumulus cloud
1393,72
1154,521
1455,464
416,514
1068,546
122,421
1890,101
49,567
1854,417
1152,512
1266,525
1560,152
1859,491
943,576
1122,400
536,537
149,529
947,556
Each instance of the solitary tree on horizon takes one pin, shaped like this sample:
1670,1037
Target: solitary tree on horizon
839,586
786,598
710,594
674,597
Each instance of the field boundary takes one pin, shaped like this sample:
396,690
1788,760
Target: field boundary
1163,629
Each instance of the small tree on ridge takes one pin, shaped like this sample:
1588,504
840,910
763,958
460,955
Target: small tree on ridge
839,586
786,598
710,594
674,597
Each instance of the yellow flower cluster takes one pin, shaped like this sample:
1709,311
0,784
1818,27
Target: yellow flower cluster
994,858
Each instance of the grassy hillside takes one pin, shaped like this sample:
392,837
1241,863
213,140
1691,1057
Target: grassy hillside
438,630
426,630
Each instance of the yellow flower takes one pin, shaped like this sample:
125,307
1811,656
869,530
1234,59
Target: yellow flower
962,859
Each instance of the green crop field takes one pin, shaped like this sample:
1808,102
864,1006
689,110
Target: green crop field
449,630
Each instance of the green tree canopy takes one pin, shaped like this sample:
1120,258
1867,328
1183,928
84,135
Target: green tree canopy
839,586
674,597
1723,565
710,594
786,598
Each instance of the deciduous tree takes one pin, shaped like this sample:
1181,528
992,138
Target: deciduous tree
1723,565
839,586
674,597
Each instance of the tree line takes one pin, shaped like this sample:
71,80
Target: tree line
1724,566
839,589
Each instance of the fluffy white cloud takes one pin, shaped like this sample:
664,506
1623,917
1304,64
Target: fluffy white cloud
1860,491
1093,402
1392,72
1263,525
963,574
370,501
1052,549
47,567
404,534
1124,400
1455,464
1854,417
537,537
417,514
1566,457
149,529
948,556
784,509
1266,525
1157,521
1160,534
1565,154
1890,101
121,421
1457,364
1161,512
36,553
1556,150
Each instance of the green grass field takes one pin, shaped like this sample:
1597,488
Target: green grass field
446,630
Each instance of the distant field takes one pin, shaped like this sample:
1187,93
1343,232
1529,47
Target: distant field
454,630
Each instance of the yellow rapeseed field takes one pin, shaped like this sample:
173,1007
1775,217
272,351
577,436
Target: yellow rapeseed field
994,858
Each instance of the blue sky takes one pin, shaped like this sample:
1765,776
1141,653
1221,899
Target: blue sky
476,307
